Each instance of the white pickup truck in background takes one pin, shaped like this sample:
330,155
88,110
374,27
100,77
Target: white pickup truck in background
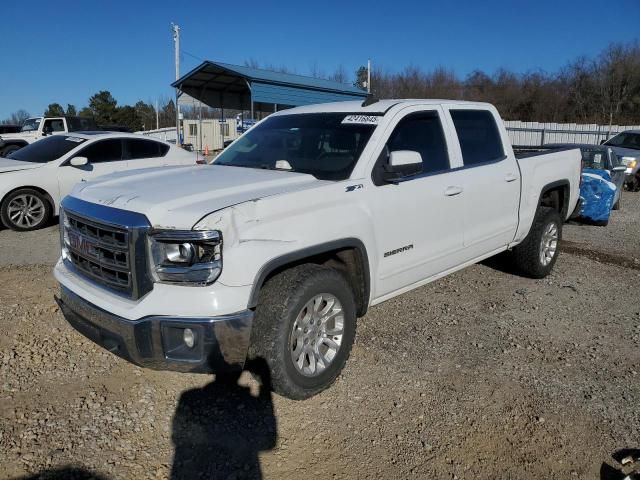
39,127
303,223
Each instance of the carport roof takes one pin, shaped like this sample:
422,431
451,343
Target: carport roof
221,85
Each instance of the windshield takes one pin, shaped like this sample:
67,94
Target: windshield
625,140
31,124
47,149
325,145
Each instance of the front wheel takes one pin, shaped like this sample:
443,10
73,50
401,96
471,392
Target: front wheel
538,252
25,209
633,185
304,328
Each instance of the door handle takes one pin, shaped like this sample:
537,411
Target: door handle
452,191
510,177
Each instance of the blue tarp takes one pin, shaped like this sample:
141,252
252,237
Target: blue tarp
597,192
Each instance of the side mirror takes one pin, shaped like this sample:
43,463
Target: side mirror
402,163
620,168
79,161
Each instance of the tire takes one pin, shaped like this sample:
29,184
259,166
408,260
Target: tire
34,202
633,185
9,150
528,256
281,304
616,206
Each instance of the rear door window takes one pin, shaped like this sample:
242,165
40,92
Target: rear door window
478,135
145,149
103,151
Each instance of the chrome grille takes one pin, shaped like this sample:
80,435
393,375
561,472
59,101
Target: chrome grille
100,251
106,245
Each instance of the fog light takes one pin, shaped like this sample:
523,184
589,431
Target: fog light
189,337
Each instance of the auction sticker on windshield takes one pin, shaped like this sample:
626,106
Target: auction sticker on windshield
361,120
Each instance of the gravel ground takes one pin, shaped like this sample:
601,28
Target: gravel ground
41,247
480,375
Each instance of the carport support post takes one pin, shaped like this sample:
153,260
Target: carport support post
222,123
250,99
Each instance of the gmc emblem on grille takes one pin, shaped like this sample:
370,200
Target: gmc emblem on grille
82,245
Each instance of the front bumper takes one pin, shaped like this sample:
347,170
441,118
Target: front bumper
221,343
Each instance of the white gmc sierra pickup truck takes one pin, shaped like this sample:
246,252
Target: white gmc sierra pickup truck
39,127
312,216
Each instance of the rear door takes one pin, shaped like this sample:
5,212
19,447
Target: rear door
418,222
104,156
143,153
490,178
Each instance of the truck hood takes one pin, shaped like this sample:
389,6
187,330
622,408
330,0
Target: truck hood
9,165
177,197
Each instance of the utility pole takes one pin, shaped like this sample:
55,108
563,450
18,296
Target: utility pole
368,76
157,116
176,41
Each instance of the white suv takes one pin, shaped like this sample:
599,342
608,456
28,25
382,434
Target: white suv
34,179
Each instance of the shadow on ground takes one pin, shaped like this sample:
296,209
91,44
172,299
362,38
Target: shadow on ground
218,432
65,473
220,429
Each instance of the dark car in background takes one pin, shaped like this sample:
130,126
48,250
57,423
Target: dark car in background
8,128
626,146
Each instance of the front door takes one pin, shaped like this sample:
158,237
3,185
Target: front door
418,221
104,156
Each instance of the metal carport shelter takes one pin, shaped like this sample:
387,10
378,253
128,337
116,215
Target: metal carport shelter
220,85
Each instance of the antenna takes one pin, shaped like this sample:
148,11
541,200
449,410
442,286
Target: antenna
176,40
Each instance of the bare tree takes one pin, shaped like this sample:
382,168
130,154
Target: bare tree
340,75
17,118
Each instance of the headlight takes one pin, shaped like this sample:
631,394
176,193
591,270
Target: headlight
628,161
189,257
64,235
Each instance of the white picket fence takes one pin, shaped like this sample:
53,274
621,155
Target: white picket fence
537,134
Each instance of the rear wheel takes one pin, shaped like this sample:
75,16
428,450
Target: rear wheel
25,209
538,252
304,328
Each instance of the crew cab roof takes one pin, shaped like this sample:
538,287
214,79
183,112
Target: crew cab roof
379,107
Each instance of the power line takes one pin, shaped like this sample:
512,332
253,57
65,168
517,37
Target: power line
184,52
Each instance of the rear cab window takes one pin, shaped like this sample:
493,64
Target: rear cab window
479,137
